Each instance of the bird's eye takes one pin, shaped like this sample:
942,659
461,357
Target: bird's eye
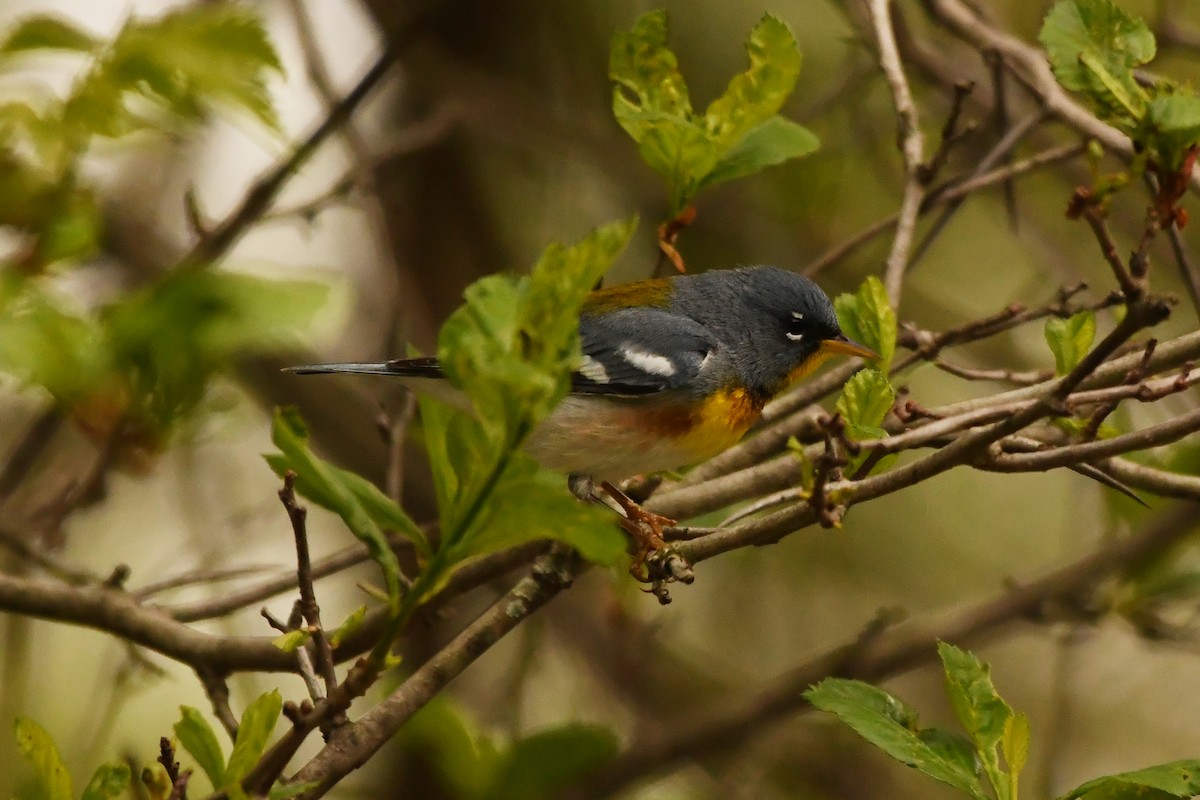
796,327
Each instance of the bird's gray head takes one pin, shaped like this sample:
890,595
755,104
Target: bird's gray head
778,325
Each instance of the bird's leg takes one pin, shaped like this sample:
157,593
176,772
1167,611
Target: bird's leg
654,561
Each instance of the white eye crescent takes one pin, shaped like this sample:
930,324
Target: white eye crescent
795,331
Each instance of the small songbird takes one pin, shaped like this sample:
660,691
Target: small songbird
674,370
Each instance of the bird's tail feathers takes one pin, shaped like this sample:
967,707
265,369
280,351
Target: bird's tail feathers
423,367
383,368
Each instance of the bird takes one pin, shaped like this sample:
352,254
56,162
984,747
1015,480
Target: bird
672,371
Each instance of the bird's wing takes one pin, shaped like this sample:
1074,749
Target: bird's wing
639,351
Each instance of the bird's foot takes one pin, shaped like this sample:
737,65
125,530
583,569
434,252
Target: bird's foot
654,561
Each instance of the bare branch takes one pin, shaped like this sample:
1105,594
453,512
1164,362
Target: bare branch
912,146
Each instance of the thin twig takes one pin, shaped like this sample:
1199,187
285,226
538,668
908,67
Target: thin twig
307,605
912,146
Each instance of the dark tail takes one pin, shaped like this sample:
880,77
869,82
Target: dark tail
401,367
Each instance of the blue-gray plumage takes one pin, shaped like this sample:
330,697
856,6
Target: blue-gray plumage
673,369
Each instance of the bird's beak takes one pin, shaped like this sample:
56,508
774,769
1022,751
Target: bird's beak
845,347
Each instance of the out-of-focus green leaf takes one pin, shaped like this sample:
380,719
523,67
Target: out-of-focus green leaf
291,641
326,486
171,338
891,725
773,142
282,791
1070,339
349,625
38,748
254,731
108,781
196,736
42,345
544,763
732,138
1178,779
1174,125
44,32
463,759
869,319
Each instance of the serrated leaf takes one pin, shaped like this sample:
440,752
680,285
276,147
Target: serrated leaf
45,32
291,641
349,625
38,748
773,142
979,707
754,96
891,725
1177,779
650,101
254,731
865,401
196,736
868,318
327,486
544,763
1070,339
108,781
1100,30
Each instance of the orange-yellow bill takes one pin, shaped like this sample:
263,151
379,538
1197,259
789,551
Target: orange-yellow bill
846,347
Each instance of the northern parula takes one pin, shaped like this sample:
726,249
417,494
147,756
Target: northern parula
674,370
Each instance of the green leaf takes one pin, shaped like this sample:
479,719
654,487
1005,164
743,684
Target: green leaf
349,625
291,641
1070,339
891,725
773,142
41,344
38,748
1015,746
734,137
1174,126
868,318
218,51
865,401
547,762
756,95
170,339
1176,779
979,707
108,781
283,791
462,758
524,499
327,486
44,32
510,348
196,736
254,730
1093,47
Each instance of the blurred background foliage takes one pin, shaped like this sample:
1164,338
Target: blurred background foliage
493,138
